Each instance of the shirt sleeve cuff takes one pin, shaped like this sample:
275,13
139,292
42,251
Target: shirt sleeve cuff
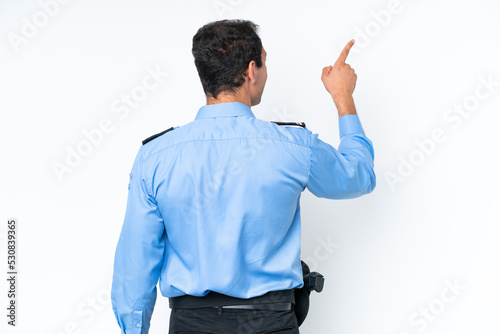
350,124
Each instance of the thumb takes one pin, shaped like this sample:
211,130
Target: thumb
327,70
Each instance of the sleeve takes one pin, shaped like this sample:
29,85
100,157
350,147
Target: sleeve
344,173
138,257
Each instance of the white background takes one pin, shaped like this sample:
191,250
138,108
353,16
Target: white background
395,249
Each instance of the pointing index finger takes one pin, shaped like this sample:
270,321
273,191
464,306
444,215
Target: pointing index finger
345,52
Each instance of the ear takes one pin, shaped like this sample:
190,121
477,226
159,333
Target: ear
251,72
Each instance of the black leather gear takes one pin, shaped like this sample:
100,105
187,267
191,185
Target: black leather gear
312,281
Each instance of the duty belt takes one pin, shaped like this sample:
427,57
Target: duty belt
279,300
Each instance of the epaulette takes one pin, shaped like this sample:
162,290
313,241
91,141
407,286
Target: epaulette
301,124
147,140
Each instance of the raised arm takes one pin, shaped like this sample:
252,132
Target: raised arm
349,171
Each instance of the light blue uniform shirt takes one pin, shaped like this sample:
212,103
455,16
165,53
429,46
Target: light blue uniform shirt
213,205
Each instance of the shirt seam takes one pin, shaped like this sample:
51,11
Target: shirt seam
309,161
148,192
219,139
237,281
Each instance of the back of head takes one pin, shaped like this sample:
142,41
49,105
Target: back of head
222,51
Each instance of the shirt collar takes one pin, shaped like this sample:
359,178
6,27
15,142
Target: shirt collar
225,109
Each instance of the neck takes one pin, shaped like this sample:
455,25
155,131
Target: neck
226,97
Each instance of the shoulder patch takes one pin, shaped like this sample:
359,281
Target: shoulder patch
300,124
147,140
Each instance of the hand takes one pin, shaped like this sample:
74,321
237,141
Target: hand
340,79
